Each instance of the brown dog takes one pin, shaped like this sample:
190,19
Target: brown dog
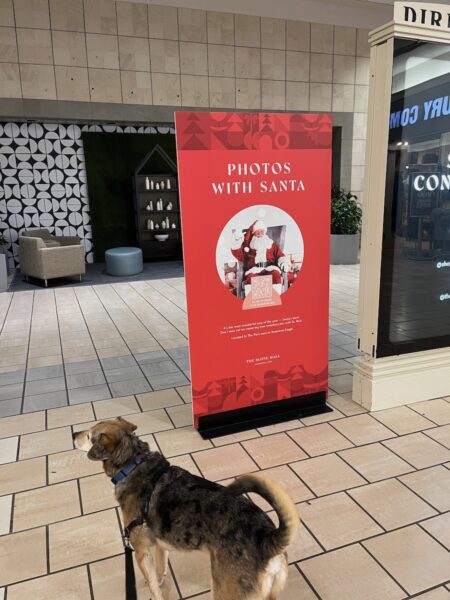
166,507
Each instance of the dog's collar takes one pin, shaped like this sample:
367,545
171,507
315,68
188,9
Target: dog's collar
127,470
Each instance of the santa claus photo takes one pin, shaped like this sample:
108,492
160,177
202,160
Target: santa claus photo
260,241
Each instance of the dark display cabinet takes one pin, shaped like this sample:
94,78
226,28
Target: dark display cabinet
157,207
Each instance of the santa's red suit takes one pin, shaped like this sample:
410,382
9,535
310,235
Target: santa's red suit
260,255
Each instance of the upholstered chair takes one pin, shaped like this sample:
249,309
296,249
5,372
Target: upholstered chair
45,256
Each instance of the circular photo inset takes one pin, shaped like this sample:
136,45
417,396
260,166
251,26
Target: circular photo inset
260,248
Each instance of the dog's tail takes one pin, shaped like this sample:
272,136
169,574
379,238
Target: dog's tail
284,507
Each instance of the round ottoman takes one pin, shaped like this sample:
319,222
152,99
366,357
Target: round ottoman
124,261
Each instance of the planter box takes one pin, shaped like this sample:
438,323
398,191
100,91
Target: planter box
344,249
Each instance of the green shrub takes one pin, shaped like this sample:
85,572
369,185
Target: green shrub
346,213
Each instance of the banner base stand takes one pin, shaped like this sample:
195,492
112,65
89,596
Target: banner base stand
260,415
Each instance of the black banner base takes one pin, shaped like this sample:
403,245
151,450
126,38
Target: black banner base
260,415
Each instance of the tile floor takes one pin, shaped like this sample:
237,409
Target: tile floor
373,490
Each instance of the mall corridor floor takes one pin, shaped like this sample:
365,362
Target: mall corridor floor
372,490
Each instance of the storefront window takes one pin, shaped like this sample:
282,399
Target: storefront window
414,311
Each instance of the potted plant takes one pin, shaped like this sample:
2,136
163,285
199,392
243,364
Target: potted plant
346,218
3,264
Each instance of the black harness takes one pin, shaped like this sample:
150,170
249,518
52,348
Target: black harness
120,476
130,578
135,523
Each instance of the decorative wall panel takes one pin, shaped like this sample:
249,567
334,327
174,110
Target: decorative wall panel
43,179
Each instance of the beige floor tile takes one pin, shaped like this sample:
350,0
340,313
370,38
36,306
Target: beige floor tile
108,581
391,503
185,392
345,405
10,426
296,587
46,505
46,361
339,367
439,528
113,351
320,439
221,463
80,357
23,555
419,450
363,429
84,539
150,439
181,441
337,521
107,409
150,421
83,426
223,440
68,585
289,481
334,415
70,465
273,450
402,420
327,474
97,493
280,427
441,435
303,545
412,557
350,574
45,442
192,571
375,462
161,399
70,415
185,462
5,513
43,352
433,485
181,415
440,593
22,475
8,450
435,410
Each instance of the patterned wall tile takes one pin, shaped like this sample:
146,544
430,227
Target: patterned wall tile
43,179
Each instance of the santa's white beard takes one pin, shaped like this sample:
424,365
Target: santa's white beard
261,245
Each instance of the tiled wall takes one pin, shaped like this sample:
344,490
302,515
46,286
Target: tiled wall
134,53
43,180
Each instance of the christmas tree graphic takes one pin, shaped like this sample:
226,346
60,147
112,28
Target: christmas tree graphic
243,386
193,129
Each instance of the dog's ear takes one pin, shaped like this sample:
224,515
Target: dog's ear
124,450
126,425
100,448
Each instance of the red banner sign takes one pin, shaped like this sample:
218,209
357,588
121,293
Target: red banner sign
255,207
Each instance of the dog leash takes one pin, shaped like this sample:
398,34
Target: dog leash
130,576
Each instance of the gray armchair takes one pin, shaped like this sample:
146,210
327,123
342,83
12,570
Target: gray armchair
46,256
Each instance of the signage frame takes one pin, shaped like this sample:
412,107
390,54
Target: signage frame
380,383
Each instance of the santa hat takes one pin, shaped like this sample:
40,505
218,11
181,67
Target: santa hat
256,226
